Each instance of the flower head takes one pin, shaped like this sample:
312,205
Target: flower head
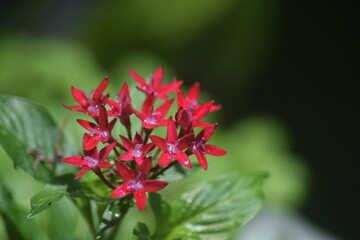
153,118
90,103
136,183
200,148
154,85
92,159
122,107
100,132
135,150
172,146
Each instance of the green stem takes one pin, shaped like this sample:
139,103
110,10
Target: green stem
103,179
163,170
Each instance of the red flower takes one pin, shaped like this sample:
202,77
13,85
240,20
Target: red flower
154,86
187,118
122,108
92,159
101,132
150,118
137,150
136,183
191,101
90,103
172,147
199,148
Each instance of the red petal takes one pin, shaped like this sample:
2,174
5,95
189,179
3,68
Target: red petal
75,108
124,91
213,150
148,147
154,185
201,124
171,87
157,77
171,134
182,158
140,198
193,94
79,96
89,142
106,150
164,159
209,131
87,125
74,160
148,105
185,141
144,169
127,143
100,89
126,156
201,111
111,125
104,164
125,172
181,100
137,78
158,141
215,108
82,171
138,139
122,190
148,125
139,160
103,118
201,159
164,108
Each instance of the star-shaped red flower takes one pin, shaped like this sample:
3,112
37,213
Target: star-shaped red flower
191,100
93,160
100,132
172,147
199,148
136,183
122,107
90,103
135,150
154,85
153,118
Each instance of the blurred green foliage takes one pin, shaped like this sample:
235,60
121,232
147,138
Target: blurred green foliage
144,35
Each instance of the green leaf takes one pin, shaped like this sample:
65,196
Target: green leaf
14,216
45,198
30,137
214,209
141,232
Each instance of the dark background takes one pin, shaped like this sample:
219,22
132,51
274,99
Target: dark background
306,76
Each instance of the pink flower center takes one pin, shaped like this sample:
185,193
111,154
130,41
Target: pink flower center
152,119
93,108
199,146
172,147
91,162
136,184
137,151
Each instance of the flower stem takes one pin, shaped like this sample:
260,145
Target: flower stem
101,176
163,170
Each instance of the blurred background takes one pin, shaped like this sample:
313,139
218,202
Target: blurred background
284,72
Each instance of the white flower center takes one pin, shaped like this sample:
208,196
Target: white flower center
136,184
91,162
137,151
172,147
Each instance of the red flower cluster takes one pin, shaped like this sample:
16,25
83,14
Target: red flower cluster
136,160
